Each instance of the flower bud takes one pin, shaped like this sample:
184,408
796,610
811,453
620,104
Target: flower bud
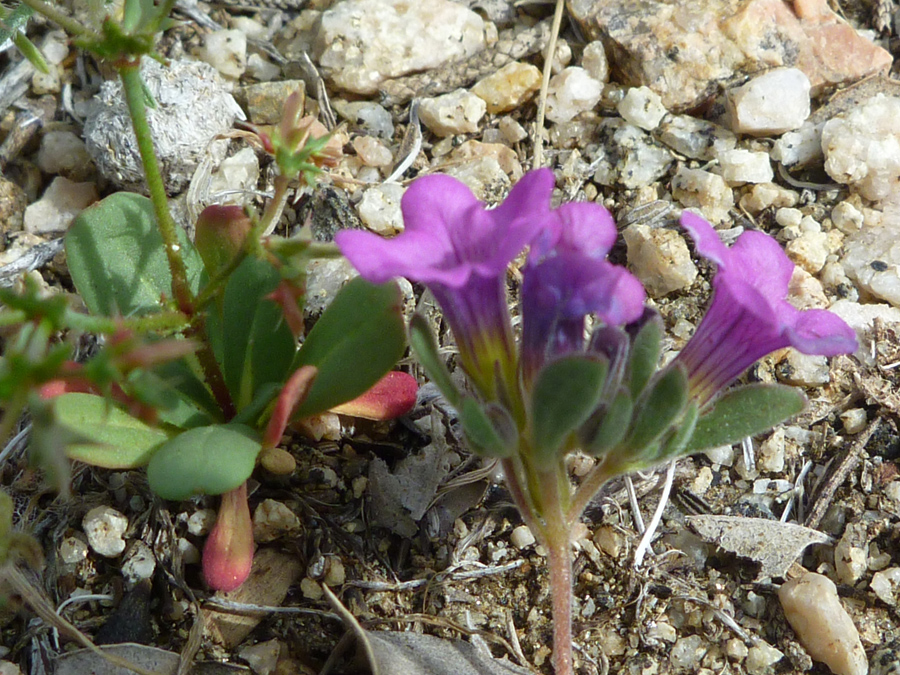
228,552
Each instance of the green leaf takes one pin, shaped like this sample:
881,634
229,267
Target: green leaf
565,394
662,405
358,338
673,446
606,428
745,411
645,352
203,461
425,346
183,376
257,344
113,439
117,260
490,430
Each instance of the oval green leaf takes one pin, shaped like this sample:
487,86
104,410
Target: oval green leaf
745,411
112,438
207,460
566,392
358,339
117,260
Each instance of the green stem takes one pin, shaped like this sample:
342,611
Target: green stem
130,73
159,322
67,23
12,317
11,413
215,285
586,491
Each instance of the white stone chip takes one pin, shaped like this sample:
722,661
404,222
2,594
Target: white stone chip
695,138
594,61
272,520
770,104
360,43
745,166
521,537
571,92
854,420
455,113
201,522
886,585
104,527
63,152
660,258
72,550
642,107
372,151
379,209
862,148
704,191
226,51
761,657
812,607
800,147
57,208
139,563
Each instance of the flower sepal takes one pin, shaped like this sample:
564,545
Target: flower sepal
662,405
566,393
425,347
646,346
607,426
489,428
745,411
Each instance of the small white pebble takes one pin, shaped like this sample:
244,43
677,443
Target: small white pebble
886,585
104,527
272,519
642,107
854,420
521,537
761,657
812,607
139,563
72,550
200,522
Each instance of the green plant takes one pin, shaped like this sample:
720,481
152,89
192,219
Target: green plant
205,360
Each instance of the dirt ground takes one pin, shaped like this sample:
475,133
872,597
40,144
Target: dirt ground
696,604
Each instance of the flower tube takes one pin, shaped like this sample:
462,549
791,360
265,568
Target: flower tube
749,316
460,250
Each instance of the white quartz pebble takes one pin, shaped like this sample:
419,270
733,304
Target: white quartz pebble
812,607
521,537
571,92
862,148
642,107
770,104
226,51
104,527
455,113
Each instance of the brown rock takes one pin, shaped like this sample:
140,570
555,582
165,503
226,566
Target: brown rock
683,49
272,575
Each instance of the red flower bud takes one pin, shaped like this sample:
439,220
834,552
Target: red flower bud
228,552
393,395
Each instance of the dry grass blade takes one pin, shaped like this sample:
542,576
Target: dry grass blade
33,597
545,85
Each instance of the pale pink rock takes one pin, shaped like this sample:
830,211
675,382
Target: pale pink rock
812,607
684,49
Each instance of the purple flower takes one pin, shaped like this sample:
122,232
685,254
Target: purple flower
749,316
460,250
568,278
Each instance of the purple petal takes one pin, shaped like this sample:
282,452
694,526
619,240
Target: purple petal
817,331
749,316
706,239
